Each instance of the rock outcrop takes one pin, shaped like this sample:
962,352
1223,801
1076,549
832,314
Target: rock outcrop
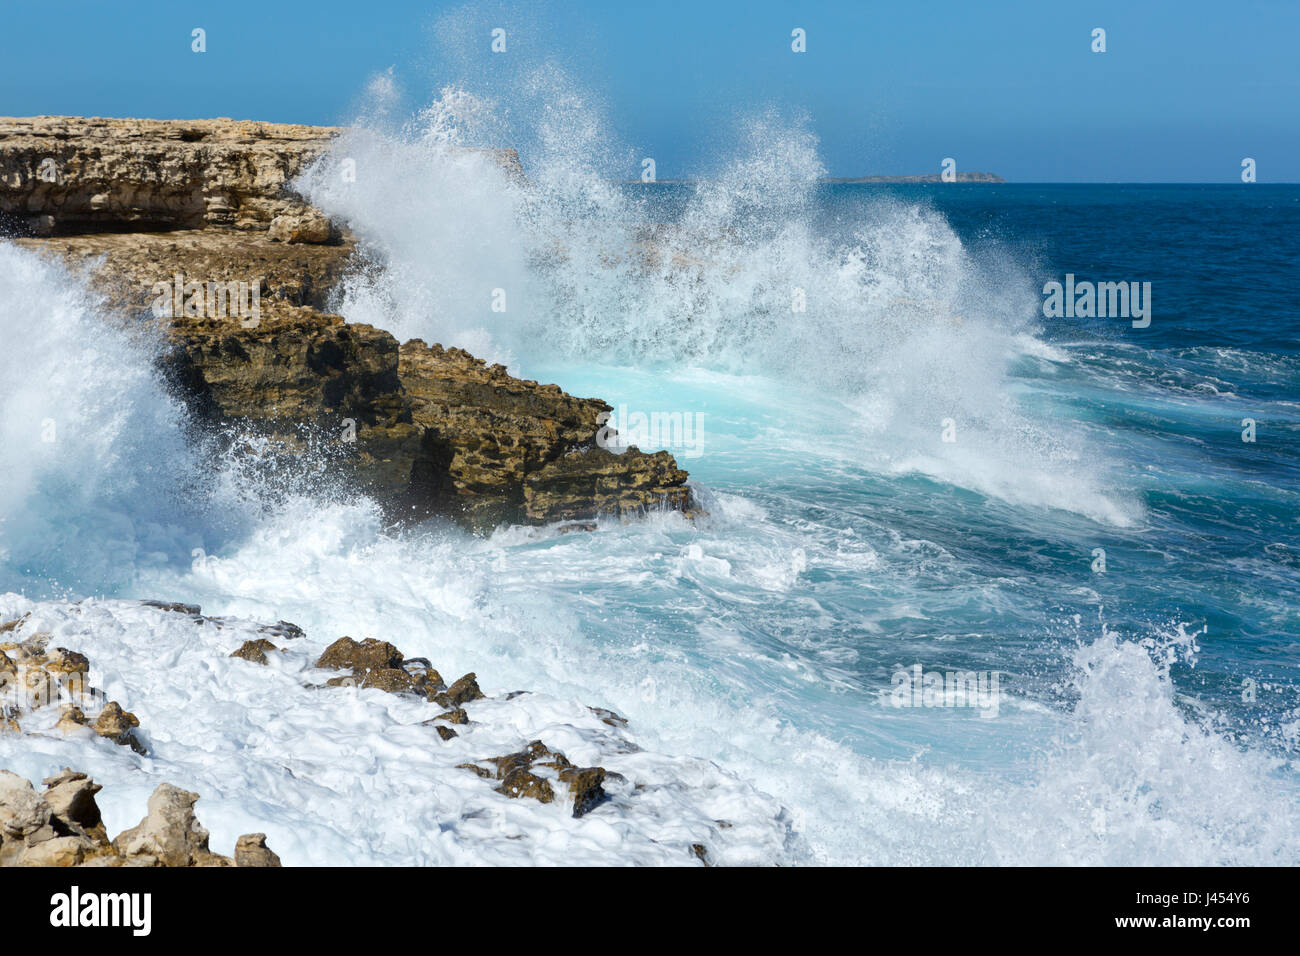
379,665
194,224
62,827
35,677
62,174
534,771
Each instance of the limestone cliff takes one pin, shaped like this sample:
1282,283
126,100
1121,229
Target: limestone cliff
200,217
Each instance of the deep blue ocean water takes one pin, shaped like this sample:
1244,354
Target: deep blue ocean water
1212,543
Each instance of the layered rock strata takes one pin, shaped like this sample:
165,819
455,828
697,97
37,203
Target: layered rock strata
195,225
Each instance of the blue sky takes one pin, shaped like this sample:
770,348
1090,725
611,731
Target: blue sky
1184,91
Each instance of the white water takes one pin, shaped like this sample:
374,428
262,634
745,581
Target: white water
742,645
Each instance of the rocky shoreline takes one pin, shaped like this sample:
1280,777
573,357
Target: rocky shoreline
195,225
354,739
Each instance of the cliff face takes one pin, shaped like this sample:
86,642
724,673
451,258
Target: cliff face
194,224
78,174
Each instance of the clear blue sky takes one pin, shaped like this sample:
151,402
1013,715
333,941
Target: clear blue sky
1185,90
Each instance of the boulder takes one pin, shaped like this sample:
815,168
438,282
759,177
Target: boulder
254,650
119,726
366,655
251,850
170,834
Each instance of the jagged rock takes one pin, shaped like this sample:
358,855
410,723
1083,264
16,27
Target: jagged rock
22,811
457,716
71,799
518,776
71,720
315,386
506,440
462,692
380,665
251,850
585,787
608,717
170,834
60,676
282,629
446,733
193,610
599,481
118,726
63,827
254,650
64,661
58,828
369,654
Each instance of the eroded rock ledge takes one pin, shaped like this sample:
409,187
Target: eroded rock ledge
423,429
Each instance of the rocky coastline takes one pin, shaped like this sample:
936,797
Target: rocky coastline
203,217
195,225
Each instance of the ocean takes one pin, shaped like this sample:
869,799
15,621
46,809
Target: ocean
909,472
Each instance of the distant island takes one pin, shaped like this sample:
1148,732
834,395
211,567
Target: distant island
975,177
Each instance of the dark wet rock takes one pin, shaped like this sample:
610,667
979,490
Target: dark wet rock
608,717
254,650
701,853
119,726
366,655
283,630
585,787
463,691
514,449
381,666
575,526
519,777
193,610
599,481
